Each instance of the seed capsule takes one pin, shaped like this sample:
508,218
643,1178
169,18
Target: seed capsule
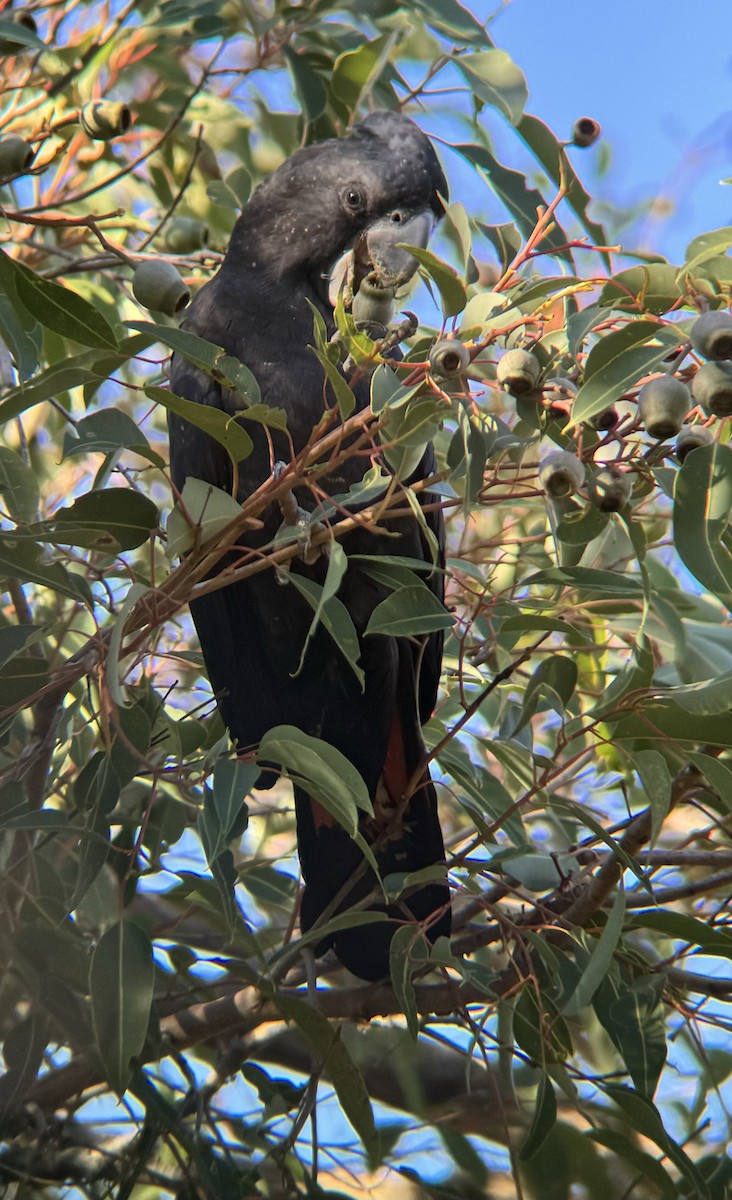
711,335
448,357
560,474
585,131
609,489
711,387
518,372
103,120
15,155
373,305
662,405
690,438
157,285
185,234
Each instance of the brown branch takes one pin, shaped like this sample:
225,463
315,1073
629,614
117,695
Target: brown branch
636,835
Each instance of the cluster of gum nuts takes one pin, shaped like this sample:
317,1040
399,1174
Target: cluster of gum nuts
663,404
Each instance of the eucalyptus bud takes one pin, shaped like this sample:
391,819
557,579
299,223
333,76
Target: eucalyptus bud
561,474
518,372
690,438
609,489
711,335
15,155
103,120
448,357
183,235
711,387
372,305
157,285
662,405
585,131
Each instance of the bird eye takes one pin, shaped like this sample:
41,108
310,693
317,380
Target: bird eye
353,198
397,217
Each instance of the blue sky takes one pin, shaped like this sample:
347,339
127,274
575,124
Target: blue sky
657,75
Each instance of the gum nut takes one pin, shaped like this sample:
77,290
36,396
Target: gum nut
560,474
15,155
157,285
105,119
585,131
711,387
518,372
609,490
448,357
185,234
690,438
607,419
372,305
662,405
711,335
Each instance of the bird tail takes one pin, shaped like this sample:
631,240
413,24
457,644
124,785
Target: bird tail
405,836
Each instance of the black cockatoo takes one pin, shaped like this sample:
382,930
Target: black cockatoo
379,186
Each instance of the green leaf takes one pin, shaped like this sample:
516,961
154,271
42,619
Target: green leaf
453,292
600,958
341,1069
453,19
222,427
18,486
506,242
232,783
651,286
58,378
20,35
26,561
105,432
647,1167
201,514
22,678
634,1018
494,77
323,772
539,1029
589,580
717,775
645,1118
111,520
705,246
406,952
309,86
345,398
57,307
121,983
327,609
545,1115
465,1156
408,430
682,928
618,361
513,191
655,776
702,507
554,679
23,1050
408,612
356,69
20,331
